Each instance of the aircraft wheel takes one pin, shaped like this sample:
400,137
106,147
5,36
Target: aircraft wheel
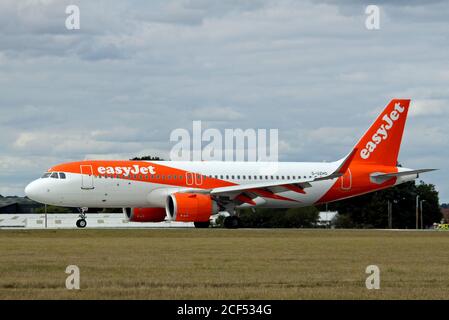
202,225
231,222
81,223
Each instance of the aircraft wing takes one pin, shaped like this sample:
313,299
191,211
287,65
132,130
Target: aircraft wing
271,188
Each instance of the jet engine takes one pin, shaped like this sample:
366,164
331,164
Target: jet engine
190,207
145,214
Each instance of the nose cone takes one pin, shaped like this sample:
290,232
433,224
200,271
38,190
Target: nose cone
34,191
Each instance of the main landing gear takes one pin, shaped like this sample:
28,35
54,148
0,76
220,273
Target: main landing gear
202,225
81,222
231,222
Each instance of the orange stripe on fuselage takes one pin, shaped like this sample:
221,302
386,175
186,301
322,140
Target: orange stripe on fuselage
160,176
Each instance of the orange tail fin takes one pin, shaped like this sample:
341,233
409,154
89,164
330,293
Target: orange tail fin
382,141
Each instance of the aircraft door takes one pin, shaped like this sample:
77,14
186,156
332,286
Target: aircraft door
87,177
346,181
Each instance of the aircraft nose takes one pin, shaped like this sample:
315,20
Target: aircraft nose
33,191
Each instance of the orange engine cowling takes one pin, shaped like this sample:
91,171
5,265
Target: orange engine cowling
145,214
190,207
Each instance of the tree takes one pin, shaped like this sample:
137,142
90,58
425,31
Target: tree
279,218
343,221
431,207
54,209
371,210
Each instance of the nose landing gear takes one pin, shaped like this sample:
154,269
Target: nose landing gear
81,222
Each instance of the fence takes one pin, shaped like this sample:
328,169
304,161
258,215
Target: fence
68,221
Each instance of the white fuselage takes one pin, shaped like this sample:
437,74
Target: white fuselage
118,192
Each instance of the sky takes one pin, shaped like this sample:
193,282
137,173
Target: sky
137,70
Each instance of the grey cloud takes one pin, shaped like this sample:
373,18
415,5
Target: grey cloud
193,12
101,52
137,70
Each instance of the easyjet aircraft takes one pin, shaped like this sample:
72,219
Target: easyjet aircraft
152,191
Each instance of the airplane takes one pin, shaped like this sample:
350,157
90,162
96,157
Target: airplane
197,191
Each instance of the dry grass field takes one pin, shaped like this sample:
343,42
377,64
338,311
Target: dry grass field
223,264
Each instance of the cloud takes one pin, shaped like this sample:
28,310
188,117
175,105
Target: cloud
430,107
187,12
137,70
217,113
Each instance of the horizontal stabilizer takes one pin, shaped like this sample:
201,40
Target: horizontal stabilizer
401,174
382,177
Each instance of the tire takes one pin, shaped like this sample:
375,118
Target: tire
81,223
202,225
231,222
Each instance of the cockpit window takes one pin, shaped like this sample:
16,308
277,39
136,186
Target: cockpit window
54,175
46,175
61,175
